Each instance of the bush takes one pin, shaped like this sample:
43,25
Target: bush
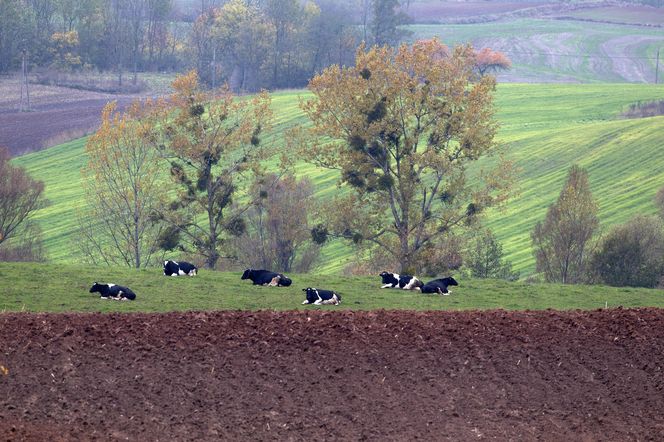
484,258
442,258
632,254
644,110
27,248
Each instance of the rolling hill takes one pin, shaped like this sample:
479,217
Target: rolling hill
547,49
546,127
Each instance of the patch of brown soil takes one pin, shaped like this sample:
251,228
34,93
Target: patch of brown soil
333,375
57,115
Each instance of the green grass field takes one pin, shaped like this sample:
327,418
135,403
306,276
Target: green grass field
65,288
546,127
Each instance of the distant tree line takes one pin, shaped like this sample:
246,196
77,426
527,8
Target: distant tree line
251,44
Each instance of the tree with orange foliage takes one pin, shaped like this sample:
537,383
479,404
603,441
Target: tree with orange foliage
210,143
64,48
402,126
488,60
122,188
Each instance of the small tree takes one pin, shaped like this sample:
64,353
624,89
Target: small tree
561,242
210,144
631,254
386,21
20,197
123,188
405,126
659,202
243,39
278,232
488,60
485,258
28,247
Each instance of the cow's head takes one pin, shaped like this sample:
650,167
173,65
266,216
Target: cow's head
247,274
450,281
96,287
387,277
312,295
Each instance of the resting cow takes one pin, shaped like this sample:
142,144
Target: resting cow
263,277
113,291
182,268
321,297
394,280
439,286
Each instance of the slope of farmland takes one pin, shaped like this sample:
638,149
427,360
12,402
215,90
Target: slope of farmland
547,128
549,50
315,375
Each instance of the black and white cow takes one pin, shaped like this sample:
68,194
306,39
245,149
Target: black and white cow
321,297
394,280
439,286
113,291
182,268
263,277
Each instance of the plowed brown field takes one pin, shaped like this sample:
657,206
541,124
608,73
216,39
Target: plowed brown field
57,115
329,375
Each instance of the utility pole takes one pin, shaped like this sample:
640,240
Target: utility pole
657,68
25,103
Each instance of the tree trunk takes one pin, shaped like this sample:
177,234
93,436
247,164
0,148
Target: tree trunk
212,253
137,235
404,252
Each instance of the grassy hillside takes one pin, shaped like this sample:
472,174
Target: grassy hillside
544,50
65,288
547,128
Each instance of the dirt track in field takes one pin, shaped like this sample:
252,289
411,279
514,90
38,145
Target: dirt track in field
333,376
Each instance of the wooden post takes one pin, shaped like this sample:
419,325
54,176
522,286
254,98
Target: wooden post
20,106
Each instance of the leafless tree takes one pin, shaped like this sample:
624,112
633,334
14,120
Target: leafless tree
278,235
20,197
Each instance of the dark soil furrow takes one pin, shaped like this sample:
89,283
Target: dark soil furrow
382,375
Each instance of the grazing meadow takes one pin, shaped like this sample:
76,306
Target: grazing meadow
544,128
28,287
